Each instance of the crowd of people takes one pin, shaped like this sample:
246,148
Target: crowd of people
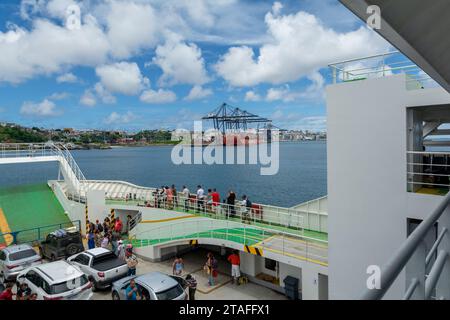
109,235
202,202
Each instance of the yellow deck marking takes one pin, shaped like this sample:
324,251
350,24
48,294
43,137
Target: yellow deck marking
169,219
4,228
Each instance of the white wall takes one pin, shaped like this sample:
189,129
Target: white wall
367,200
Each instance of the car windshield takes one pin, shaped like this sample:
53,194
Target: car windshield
19,255
171,293
69,285
104,257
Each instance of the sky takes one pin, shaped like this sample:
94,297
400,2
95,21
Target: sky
154,64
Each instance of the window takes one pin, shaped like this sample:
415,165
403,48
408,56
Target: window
69,285
35,279
82,259
171,293
2,256
22,255
270,264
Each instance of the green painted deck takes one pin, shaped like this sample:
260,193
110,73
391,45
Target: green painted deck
321,236
238,235
31,206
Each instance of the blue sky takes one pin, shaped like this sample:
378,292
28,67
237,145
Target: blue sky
137,64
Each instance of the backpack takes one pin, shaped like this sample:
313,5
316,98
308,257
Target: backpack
248,204
100,228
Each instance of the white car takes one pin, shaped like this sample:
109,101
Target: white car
101,265
57,280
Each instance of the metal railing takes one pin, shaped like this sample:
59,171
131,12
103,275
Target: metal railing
381,65
258,214
428,170
277,242
33,235
426,282
48,149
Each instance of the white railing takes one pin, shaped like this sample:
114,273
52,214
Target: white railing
258,214
428,170
49,149
277,242
381,65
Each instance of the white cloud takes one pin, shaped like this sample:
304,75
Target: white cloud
300,44
122,77
58,96
67,78
104,94
160,96
252,96
180,62
314,91
116,118
131,27
198,92
45,108
48,48
88,99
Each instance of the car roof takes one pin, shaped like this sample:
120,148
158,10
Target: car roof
97,251
17,247
59,271
157,281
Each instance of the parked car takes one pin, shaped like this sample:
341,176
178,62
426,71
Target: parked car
102,265
15,258
153,286
57,280
61,244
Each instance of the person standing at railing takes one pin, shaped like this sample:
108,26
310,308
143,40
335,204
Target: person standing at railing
200,198
169,195
231,199
215,199
186,195
175,196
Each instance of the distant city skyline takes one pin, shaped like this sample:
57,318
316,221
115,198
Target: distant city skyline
134,64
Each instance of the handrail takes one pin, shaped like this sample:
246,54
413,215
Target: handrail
18,150
250,235
397,262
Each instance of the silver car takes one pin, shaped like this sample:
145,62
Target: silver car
15,258
152,286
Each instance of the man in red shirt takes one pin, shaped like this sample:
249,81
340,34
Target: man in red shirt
235,266
118,226
7,294
215,198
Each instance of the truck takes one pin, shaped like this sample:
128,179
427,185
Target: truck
61,243
101,265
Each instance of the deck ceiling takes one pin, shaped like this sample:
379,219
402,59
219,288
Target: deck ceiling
418,28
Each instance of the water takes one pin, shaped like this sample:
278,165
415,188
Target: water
301,176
